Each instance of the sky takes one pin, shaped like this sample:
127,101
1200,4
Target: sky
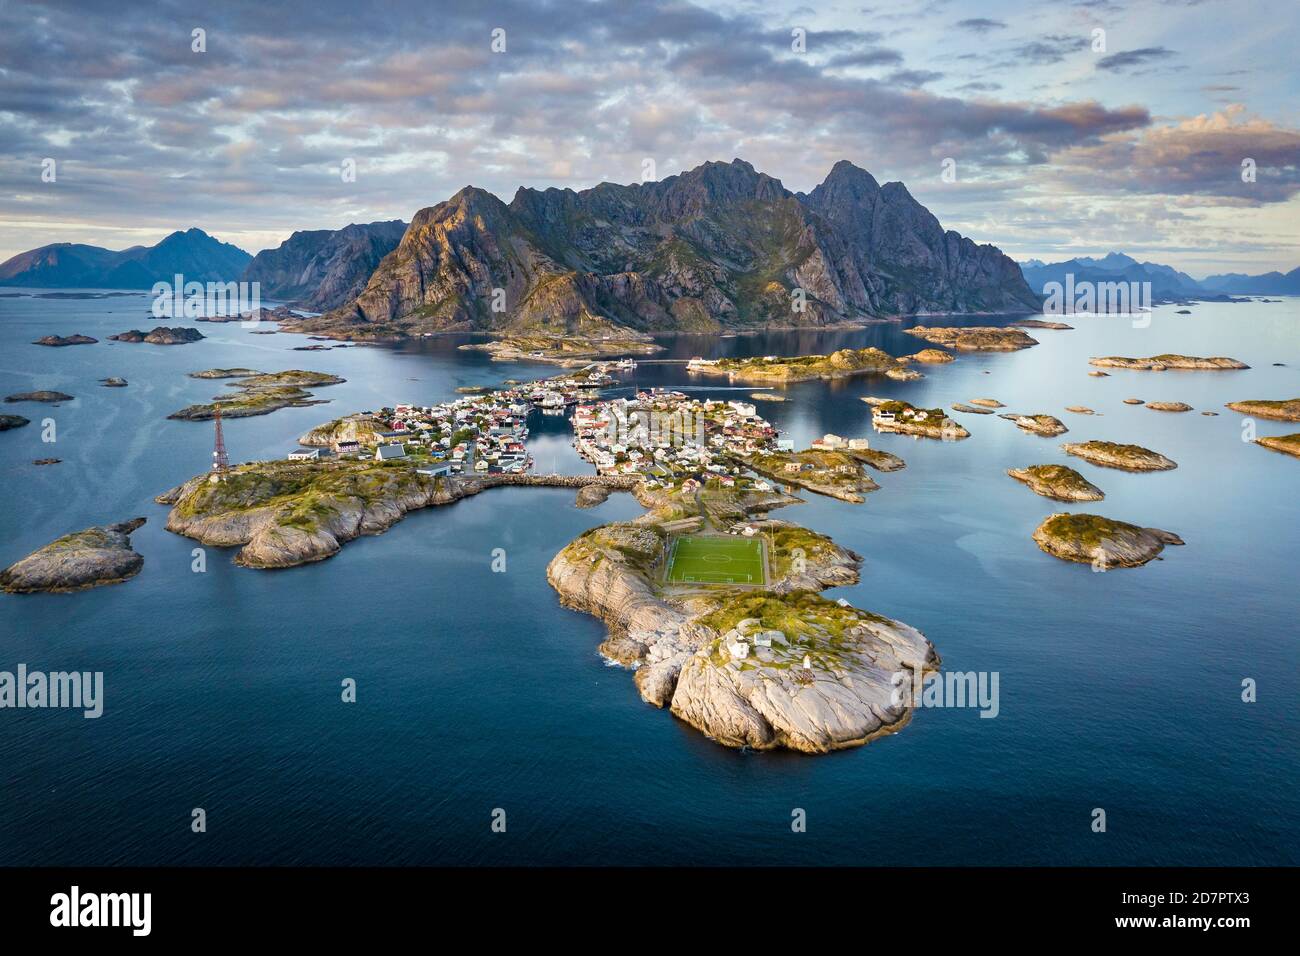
1016,123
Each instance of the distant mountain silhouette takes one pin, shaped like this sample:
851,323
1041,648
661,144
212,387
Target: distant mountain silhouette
193,254
1167,283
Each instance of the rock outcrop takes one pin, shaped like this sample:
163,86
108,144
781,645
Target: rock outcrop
1159,363
1047,426
13,421
84,559
1059,482
976,339
160,335
1124,457
59,341
1101,542
259,393
40,396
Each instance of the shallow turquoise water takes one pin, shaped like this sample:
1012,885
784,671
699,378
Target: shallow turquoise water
477,690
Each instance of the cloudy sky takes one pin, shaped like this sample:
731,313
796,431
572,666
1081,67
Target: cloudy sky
1065,141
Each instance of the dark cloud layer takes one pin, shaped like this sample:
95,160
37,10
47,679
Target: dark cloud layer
248,137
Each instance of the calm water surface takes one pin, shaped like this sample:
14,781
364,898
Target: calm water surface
477,690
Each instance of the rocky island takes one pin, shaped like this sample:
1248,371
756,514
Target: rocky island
160,335
40,396
976,338
260,393
567,351
1101,542
905,419
1169,406
771,368
1159,363
84,559
1124,457
836,474
1059,482
1284,410
13,421
766,668
933,356
1047,426
59,341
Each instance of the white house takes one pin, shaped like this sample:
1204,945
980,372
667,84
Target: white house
304,454
390,452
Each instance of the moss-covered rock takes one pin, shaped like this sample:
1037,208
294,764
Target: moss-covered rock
1101,542
1060,482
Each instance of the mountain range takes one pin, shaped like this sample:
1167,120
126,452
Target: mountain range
321,269
720,246
1167,283
193,254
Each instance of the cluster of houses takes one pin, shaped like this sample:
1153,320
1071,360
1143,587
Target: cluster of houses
829,442
668,436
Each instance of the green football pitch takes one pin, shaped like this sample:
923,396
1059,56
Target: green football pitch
716,559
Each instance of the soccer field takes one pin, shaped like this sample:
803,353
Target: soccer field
716,559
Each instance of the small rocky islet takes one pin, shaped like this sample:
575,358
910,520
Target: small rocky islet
1101,542
975,338
1059,482
1123,457
258,393
564,350
85,559
61,341
160,335
1048,426
845,363
46,396
8,422
1161,363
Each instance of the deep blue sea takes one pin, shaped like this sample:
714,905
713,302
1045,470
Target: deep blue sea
477,691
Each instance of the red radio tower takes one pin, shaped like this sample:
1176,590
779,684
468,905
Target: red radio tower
220,460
